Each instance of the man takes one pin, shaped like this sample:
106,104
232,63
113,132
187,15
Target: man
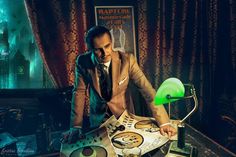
99,67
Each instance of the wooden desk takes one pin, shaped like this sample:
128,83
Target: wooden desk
206,147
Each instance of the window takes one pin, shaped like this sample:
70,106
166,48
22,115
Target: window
21,65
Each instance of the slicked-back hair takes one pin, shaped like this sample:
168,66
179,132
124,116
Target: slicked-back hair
94,32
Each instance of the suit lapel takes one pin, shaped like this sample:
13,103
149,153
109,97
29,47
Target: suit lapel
94,75
115,65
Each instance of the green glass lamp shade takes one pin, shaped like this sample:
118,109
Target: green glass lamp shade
172,87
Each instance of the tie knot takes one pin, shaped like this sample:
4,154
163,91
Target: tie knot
102,70
103,67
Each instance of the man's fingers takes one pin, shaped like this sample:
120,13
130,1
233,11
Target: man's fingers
169,130
72,138
174,132
162,131
64,137
169,134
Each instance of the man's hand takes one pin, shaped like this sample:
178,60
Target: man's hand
168,129
72,135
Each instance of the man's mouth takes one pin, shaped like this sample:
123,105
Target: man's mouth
104,57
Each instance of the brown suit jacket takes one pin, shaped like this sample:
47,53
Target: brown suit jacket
124,68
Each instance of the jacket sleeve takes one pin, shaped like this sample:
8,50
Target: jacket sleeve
146,89
78,97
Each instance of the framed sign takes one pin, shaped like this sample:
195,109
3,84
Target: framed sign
120,21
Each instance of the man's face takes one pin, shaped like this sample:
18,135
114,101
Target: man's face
103,48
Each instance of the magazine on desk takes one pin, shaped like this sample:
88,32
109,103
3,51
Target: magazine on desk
129,131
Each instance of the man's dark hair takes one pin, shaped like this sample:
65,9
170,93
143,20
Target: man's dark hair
94,32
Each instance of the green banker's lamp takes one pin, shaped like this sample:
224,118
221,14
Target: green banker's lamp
172,90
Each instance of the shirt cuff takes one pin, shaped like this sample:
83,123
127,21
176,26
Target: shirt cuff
77,127
165,124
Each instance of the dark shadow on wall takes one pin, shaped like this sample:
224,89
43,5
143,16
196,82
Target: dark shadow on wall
20,110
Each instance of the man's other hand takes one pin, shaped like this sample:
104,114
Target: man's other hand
168,129
72,135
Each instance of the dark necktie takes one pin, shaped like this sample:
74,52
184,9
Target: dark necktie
105,82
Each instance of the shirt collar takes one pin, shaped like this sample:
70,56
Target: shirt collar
107,64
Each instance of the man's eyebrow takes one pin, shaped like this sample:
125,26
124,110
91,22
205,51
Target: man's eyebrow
107,45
